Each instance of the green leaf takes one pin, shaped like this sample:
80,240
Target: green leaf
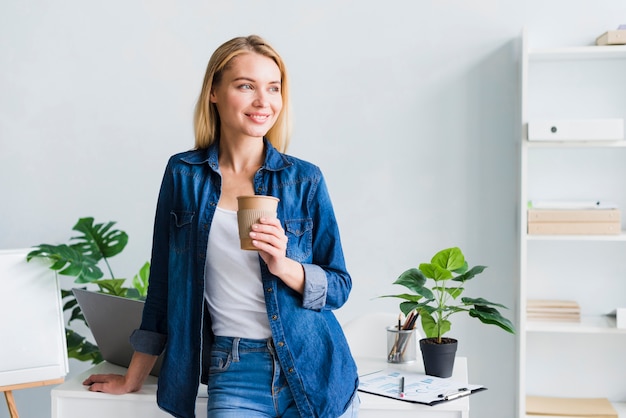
491,316
68,261
67,293
475,271
407,307
112,287
77,314
431,328
449,259
79,348
99,241
405,296
412,279
481,302
141,279
462,269
435,272
428,270
452,291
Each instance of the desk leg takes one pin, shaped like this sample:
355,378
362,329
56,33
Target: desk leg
11,404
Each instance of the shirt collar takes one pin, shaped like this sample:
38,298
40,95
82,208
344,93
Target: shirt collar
274,160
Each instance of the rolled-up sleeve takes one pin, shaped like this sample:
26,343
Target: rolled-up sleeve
148,342
315,287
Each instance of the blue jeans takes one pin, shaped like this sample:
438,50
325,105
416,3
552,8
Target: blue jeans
246,380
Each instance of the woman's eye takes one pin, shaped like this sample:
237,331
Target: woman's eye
275,89
245,87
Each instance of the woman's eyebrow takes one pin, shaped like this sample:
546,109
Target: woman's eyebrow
244,78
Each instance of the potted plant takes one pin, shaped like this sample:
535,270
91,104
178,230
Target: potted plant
449,272
81,259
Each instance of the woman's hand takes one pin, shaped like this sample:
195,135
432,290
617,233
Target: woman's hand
117,384
108,383
269,237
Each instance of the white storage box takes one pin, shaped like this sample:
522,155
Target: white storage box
620,317
576,130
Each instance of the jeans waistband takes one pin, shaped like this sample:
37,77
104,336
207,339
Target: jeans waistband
238,345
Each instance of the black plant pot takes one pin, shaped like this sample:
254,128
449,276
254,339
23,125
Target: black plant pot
438,358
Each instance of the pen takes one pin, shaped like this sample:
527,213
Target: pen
461,392
402,386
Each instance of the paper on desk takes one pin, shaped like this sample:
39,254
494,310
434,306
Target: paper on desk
418,387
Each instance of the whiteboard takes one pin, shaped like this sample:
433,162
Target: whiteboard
32,347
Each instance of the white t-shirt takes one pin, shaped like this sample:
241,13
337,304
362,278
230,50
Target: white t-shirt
232,282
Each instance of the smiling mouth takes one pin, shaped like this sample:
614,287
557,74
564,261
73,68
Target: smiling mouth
258,118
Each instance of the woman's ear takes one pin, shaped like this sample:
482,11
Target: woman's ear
212,98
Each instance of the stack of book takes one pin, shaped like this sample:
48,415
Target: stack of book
574,218
613,37
552,310
543,406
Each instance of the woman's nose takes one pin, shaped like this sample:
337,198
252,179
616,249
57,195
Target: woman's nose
260,99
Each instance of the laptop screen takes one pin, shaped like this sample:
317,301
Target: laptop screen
112,319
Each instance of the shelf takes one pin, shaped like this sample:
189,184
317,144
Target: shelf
576,144
617,237
587,325
571,83
578,53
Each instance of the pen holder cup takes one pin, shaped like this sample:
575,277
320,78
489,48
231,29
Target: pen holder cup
401,345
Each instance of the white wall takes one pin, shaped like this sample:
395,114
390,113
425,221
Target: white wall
410,108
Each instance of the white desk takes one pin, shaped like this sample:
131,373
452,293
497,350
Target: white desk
373,406
72,400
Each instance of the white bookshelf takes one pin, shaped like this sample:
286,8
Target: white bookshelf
577,359
589,324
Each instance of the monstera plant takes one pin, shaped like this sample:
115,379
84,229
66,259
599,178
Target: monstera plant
83,258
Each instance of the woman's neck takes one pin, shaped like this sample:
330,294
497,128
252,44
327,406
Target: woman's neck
241,156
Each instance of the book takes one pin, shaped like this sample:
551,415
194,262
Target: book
552,310
574,215
553,317
552,305
612,37
574,228
570,407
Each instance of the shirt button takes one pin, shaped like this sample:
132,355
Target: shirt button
274,317
280,344
269,290
290,370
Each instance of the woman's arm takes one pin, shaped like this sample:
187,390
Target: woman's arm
138,369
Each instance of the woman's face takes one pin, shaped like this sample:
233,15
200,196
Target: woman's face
248,97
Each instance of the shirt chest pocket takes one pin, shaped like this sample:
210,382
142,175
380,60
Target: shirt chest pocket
300,238
180,230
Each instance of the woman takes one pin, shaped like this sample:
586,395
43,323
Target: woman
256,326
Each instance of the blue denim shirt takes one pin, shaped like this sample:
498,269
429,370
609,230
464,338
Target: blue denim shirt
309,341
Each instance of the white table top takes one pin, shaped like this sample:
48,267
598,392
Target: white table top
371,405
369,401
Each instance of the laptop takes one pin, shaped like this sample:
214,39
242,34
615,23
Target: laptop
112,319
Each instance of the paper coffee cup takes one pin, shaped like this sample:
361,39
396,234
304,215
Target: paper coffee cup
250,210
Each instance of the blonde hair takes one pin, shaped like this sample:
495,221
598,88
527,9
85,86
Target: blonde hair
206,119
